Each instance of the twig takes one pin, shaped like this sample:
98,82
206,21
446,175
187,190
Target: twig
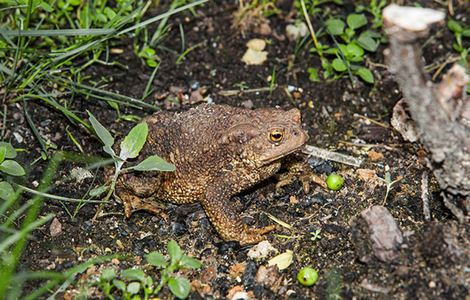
425,195
228,93
310,27
441,111
334,156
453,208
372,121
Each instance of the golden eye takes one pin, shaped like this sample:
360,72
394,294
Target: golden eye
276,136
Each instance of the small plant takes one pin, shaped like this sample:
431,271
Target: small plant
375,9
350,54
315,236
334,285
132,282
349,51
8,167
460,32
129,148
389,184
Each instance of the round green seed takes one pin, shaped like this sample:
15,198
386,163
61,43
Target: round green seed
334,181
307,276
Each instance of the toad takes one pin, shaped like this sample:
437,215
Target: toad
218,151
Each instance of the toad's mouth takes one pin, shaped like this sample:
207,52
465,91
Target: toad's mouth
283,154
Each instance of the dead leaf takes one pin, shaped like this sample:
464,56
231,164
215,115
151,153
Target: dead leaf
375,156
237,270
367,175
283,260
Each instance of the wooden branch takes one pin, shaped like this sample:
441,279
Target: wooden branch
441,112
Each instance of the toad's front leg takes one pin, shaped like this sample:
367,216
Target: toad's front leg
225,219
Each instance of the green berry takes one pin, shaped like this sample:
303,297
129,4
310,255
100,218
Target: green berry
334,181
307,276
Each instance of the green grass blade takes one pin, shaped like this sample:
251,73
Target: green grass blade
57,32
10,240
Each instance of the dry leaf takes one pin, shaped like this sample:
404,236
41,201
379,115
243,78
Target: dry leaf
283,260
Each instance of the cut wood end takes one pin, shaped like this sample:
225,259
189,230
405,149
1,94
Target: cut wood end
411,18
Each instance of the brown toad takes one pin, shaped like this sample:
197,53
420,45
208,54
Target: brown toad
218,151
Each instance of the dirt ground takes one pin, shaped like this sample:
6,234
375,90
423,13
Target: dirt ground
432,262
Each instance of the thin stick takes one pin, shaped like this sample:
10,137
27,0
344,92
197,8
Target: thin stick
425,195
334,156
310,27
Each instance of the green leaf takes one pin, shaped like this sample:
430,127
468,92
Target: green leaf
133,288
156,259
3,153
108,274
353,50
6,190
189,262
365,74
154,163
133,274
151,63
454,26
174,251
12,168
103,133
134,141
356,20
339,65
466,33
179,286
367,42
119,284
335,26
98,190
148,282
10,151
109,150
313,74
109,12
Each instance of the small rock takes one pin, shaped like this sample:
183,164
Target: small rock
264,29
256,44
55,228
79,174
293,32
18,137
384,235
261,250
268,276
254,57
247,104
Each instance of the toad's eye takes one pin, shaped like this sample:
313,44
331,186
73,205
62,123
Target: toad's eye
276,136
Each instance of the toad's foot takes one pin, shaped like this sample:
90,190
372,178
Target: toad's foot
251,235
134,203
226,220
